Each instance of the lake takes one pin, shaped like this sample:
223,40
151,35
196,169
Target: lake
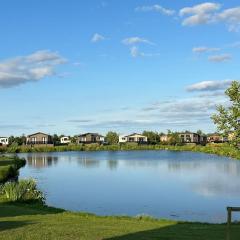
165,184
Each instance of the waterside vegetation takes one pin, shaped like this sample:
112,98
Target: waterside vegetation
9,167
224,149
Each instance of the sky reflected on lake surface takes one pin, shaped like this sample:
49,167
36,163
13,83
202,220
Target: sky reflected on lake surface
166,184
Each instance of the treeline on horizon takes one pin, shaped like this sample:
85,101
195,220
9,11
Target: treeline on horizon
112,138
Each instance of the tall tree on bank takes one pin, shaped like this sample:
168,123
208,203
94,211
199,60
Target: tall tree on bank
153,137
112,138
228,118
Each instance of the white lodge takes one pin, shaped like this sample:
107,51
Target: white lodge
3,141
135,137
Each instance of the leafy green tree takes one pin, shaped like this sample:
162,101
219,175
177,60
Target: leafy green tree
201,133
174,138
17,140
153,137
228,118
112,138
56,140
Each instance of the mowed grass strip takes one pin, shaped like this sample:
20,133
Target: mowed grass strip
35,222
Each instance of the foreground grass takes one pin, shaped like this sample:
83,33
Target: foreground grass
218,149
35,222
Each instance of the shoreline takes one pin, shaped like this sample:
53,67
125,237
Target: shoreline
34,221
217,149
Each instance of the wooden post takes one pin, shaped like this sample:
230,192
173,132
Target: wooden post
229,219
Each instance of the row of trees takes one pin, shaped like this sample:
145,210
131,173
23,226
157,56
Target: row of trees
227,120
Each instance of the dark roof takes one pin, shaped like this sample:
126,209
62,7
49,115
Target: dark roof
93,134
135,134
38,133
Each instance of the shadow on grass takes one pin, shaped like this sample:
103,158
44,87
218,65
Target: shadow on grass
184,231
7,225
8,209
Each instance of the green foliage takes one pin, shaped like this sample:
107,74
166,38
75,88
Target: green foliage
228,118
9,167
174,138
112,138
153,137
56,139
23,190
6,172
17,140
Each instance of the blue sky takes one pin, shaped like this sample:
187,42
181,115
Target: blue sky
69,67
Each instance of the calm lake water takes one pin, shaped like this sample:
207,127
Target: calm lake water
166,184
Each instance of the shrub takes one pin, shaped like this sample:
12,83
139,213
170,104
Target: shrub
22,191
6,172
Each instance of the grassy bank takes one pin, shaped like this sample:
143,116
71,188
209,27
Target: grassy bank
219,149
36,222
9,167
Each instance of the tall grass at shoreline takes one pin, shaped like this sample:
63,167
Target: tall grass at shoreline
218,149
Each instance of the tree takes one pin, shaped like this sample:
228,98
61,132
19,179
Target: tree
17,140
56,140
112,138
201,133
174,138
153,137
228,118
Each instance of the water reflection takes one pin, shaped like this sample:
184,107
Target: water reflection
41,161
87,162
192,186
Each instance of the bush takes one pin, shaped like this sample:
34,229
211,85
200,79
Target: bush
22,191
6,172
9,167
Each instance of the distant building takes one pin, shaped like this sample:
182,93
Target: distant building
65,140
165,138
39,139
91,138
190,138
216,138
135,137
3,141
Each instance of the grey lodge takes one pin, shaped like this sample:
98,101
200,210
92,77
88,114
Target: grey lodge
39,139
90,138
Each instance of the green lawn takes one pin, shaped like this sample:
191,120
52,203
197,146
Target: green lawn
29,222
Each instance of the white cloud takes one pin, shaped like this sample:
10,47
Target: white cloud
97,38
208,12
204,49
136,40
210,85
220,58
199,14
29,68
231,17
155,8
134,52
